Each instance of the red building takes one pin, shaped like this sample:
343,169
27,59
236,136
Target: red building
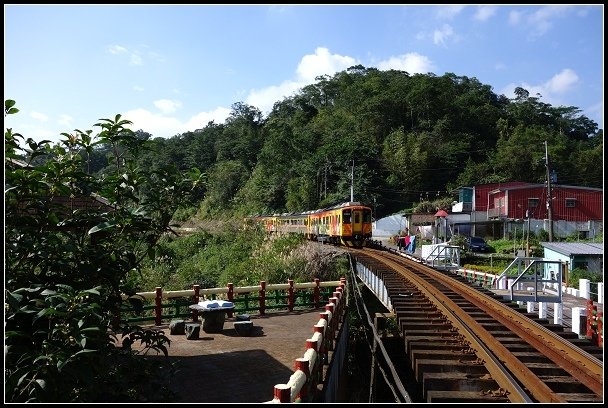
569,203
498,210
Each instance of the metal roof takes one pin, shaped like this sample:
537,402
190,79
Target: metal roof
575,248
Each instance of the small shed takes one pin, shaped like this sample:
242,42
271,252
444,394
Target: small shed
583,255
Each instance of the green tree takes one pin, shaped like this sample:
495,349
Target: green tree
73,240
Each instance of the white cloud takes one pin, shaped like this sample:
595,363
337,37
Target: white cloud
440,36
39,116
551,90
540,21
596,111
138,88
167,105
163,126
200,120
117,49
156,56
265,98
499,66
38,133
412,63
448,12
65,120
135,59
483,13
562,82
322,63
515,17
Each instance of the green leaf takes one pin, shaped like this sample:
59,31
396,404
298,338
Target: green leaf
103,226
14,299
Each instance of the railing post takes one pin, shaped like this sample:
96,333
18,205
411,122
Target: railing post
290,297
589,318
316,293
600,329
158,310
262,297
230,297
321,347
282,393
302,365
195,299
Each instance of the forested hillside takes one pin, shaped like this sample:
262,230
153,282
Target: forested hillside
412,138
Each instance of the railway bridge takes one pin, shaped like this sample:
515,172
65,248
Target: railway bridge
465,341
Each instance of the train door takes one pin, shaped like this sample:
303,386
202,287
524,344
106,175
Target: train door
357,222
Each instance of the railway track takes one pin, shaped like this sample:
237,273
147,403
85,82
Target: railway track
467,344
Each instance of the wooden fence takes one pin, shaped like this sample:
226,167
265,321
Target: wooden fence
259,298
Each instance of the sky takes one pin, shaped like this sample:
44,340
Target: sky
171,69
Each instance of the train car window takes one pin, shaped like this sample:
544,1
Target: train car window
357,217
346,216
367,216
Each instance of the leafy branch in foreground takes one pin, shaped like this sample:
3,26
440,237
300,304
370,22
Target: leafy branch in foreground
71,242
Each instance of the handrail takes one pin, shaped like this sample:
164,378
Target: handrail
302,384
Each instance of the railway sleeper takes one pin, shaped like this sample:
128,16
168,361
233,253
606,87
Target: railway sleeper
466,396
463,354
420,317
546,369
506,341
519,347
422,324
416,348
424,365
426,332
574,398
493,326
448,339
454,381
565,384
530,357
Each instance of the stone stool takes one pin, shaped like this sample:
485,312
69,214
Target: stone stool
243,328
192,331
177,326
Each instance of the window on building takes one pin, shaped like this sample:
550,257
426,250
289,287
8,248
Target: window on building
570,202
533,202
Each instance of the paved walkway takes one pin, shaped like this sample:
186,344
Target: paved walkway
226,368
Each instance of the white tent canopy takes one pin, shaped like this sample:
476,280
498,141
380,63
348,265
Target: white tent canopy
388,226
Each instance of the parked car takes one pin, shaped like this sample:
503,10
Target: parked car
478,244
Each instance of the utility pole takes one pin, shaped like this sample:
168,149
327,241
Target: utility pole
352,182
549,195
325,191
528,234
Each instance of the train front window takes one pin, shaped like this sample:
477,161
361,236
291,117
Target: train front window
357,217
367,216
346,217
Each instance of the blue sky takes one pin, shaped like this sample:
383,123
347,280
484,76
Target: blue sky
173,68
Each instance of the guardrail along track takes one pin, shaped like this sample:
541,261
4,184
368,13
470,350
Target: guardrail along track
467,344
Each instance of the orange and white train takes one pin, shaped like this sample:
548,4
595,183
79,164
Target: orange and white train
349,224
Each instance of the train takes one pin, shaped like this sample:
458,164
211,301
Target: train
348,224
